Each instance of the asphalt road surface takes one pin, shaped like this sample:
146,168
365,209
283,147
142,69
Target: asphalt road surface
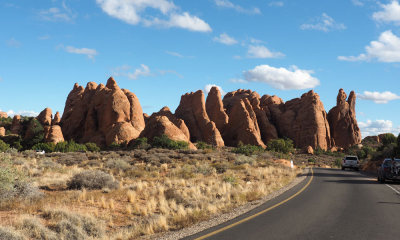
330,204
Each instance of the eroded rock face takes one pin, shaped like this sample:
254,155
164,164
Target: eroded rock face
2,131
192,111
303,120
159,125
342,120
16,126
102,114
45,117
56,119
215,109
3,115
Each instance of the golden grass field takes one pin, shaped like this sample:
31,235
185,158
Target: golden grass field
128,194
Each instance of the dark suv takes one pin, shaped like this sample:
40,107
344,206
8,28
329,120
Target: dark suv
389,170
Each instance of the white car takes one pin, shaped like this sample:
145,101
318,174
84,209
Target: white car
350,162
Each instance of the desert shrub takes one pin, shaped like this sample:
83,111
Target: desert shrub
140,143
319,151
205,170
165,142
338,162
311,161
203,145
90,179
281,145
117,164
35,133
248,149
92,147
186,172
387,138
242,159
47,147
220,167
34,229
69,146
230,179
114,147
72,158
4,146
10,234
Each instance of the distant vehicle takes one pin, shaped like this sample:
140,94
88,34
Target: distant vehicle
350,162
389,170
40,152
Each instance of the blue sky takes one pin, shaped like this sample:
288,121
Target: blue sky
161,49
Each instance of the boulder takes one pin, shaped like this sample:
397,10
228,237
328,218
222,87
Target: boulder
342,120
3,115
192,111
16,126
102,114
309,150
2,131
215,109
159,125
57,119
45,117
303,120
179,123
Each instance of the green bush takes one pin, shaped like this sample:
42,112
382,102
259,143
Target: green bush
140,143
4,146
388,138
47,147
34,134
92,147
203,145
165,142
91,179
69,146
281,145
248,149
10,234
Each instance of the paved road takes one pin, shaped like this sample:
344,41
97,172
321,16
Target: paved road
336,205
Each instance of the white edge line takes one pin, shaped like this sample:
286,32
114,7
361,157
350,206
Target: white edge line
393,188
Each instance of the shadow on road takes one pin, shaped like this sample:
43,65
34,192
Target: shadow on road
391,203
353,181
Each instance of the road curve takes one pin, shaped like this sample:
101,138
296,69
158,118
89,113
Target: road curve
336,204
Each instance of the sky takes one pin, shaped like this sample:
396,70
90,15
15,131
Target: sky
161,49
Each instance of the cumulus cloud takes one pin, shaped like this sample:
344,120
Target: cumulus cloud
373,128
131,12
57,14
357,3
378,97
282,78
390,13
142,71
90,53
28,113
238,8
259,51
385,49
225,39
324,23
276,4
207,88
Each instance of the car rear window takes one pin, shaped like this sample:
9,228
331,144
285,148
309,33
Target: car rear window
351,158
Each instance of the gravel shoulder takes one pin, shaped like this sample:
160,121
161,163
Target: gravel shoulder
221,218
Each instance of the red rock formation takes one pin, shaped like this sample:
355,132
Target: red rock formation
179,123
56,119
2,131
54,134
102,114
3,115
192,111
215,109
45,117
16,126
303,120
159,125
342,120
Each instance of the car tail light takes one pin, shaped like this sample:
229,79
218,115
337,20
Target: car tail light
344,161
386,169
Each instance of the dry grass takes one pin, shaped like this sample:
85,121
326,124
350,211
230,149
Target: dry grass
158,190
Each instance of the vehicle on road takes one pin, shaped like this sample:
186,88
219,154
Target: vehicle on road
350,162
389,170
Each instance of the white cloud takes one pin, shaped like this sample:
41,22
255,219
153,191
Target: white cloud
131,11
259,51
225,39
276,4
28,113
175,54
238,8
374,128
143,71
238,80
282,78
386,49
44,37
324,23
378,97
56,14
90,53
390,13
357,3
208,87
12,42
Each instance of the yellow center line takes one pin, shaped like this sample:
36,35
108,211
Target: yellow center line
259,213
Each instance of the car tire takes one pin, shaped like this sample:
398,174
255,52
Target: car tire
343,168
356,169
382,180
